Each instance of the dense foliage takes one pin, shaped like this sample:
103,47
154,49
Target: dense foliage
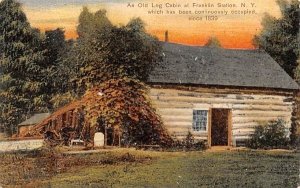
271,135
123,106
280,36
21,65
60,88
44,72
104,51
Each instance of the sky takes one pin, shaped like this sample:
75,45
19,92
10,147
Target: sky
233,31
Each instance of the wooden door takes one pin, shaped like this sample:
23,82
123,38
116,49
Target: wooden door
220,127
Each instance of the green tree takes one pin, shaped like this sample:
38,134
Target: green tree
63,77
104,51
20,64
280,36
57,79
213,42
55,45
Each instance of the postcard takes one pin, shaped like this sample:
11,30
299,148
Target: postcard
149,93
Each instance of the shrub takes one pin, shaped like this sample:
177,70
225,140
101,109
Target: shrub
189,144
271,135
189,141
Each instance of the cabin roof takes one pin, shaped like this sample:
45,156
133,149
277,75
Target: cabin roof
219,67
35,119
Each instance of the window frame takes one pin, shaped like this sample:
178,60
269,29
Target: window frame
207,119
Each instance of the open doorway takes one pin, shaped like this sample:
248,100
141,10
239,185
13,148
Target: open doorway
220,127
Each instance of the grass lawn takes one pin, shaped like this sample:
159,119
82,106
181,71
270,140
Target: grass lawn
131,168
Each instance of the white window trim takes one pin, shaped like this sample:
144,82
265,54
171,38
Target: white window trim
199,132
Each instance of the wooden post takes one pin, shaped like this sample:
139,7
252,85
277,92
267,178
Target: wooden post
105,136
209,127
119,138
230,127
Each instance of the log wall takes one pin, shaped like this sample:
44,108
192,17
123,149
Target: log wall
249,108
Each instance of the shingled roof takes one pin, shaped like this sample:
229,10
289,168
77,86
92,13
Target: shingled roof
219,67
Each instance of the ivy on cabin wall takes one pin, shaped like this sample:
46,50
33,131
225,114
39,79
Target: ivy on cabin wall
123,105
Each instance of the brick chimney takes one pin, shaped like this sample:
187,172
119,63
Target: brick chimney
167,36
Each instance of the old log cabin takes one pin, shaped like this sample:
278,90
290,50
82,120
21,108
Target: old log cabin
220,95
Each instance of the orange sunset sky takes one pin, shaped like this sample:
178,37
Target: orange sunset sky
234,31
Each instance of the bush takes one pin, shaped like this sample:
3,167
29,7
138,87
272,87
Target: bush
189,144
271,135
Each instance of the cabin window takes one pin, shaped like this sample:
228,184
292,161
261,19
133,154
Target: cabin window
199,120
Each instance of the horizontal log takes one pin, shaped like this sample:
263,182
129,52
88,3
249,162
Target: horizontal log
262,117
222,90
256,119
235,127
242,135
187,127
284,107
246,131
244,111
190,105
243,132
247,113
179,118
244,125
185,124
241,112
183,114
175,111
238,123
159,104
218,100
186,121
214,93
241,138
